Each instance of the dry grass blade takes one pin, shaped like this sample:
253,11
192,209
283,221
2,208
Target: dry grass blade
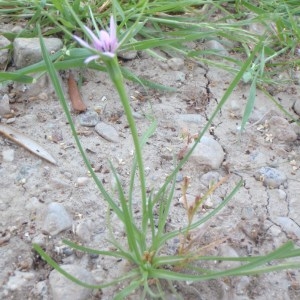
26,142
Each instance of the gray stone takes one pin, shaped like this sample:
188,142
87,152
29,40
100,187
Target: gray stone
297,107
27,51
210,178
83,231
63,288
191,118
288,225
89,118
175,63
270,177
108,132
4,105
8,155
57,219
18,280
40,290
128,55
208,153
4,52
281,129
217,47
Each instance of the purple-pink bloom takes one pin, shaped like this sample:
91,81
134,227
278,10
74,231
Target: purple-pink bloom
106,43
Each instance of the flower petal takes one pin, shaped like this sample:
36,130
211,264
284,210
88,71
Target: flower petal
82,42
90,58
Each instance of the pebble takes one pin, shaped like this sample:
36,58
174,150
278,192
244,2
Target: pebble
4,105
175,63
8,155
217,47
40,290
297,107
57,219
191,118
27,51
270,177
4,51
83,231
208,153
288,225
108,132
82,181
128,55
89,118
63,288
281,129
179,76
19,280
210,178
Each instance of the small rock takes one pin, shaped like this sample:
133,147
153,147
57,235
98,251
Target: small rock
108,132
8,155
4,105
191,118
89,118
128,55
297,107
63,288
179,76
19,280
217,47
176,63
210,178
27,51
4,51
208,153
40,291
270,177
83,231
82,181
281,129
288,225
57,219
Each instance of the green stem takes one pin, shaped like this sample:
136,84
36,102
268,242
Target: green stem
116,76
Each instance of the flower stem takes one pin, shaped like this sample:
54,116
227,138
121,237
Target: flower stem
116,76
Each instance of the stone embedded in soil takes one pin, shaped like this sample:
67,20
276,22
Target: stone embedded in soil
63,288
210,178
176,63
108,132
208,153
217,47
288,225
27,51
89,118
297,107
4,105
18,280
128,55
8,155
281,129
270,177
57,219
191,118
40,290
4,51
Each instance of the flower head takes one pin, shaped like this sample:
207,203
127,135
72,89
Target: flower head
105,42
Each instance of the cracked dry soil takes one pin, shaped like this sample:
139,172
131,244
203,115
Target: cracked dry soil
257,220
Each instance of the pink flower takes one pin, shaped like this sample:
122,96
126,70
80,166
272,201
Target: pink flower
106,43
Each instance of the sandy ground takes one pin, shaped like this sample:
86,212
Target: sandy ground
261,216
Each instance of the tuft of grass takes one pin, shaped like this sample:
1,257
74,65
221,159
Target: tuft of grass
168,26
